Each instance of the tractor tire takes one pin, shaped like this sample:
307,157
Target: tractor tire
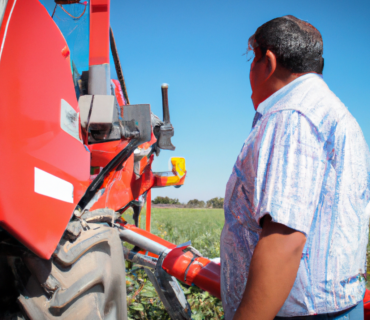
84,279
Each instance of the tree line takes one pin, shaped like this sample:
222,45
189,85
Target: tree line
194,203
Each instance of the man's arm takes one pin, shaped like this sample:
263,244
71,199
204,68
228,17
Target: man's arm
272,272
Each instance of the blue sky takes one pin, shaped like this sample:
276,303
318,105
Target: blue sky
197,48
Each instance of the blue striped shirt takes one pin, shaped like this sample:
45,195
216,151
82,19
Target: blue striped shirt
307,165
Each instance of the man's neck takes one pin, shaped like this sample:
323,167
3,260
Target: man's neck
278,80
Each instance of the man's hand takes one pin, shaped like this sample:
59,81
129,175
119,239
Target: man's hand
272,272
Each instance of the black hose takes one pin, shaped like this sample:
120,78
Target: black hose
98,181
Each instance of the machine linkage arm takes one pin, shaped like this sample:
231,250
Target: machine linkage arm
183,262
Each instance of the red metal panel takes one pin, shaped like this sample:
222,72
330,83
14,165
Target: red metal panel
121,186
34,77
103,153
99,32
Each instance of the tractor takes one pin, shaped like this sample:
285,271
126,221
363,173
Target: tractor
76,155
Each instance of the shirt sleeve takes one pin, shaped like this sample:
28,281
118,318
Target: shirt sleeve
291,163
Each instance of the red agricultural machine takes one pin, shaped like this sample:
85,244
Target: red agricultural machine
75,156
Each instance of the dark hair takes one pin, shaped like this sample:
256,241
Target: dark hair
298,45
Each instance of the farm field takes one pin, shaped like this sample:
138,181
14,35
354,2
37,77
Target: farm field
178,225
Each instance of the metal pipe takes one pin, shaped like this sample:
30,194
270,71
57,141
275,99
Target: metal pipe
166,111
141,241
117,64
140,259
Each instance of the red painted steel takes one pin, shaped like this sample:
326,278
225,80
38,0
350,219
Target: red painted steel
5,22
119,94
121,186
200,271
35,75
367,305
99,32
148,210
161,181
103,153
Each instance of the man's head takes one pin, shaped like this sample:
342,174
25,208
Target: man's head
285,48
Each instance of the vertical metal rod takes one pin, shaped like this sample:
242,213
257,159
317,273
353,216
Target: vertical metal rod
117,64
166,111
148,210
54,10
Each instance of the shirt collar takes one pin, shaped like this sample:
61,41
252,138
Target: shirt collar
265,105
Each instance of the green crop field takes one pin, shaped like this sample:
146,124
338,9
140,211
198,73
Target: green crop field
203,227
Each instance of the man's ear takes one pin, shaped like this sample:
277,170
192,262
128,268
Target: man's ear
271,64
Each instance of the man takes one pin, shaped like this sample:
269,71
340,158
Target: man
296,224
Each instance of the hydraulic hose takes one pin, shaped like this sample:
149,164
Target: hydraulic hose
98,181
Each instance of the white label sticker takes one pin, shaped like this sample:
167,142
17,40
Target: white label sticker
69,121
52,186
